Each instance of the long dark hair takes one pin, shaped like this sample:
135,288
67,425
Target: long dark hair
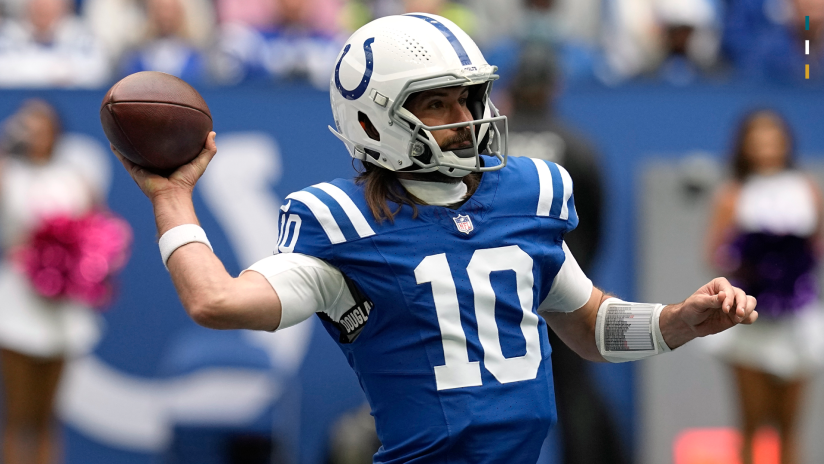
741,164
381,186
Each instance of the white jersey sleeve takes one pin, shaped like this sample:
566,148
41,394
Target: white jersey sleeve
570,289
305,285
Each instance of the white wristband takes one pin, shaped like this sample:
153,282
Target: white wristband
176,237
656,330
627,331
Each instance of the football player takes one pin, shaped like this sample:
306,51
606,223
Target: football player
429,268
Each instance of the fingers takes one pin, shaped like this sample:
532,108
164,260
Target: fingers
209,151
743,307
145,179
190,173
126,163
733,301
210,142
751,315
706,302
725,293
741,303
131,168
732,311
751,318
701,310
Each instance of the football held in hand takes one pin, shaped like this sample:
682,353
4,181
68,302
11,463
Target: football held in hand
155,120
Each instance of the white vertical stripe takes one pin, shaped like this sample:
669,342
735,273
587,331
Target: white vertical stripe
545,184
322,214
355,215
807,47
567,193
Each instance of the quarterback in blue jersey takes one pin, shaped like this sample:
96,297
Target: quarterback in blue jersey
432,267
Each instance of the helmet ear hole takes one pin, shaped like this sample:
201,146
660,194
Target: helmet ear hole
368,127
475,103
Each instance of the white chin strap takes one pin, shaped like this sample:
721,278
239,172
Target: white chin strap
627,331
451,158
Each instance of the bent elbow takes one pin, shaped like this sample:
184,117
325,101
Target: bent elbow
209,311
203,315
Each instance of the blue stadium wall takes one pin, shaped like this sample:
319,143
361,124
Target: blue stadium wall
150,347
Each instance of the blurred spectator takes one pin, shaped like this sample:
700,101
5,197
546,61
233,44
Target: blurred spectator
118,24
171,44
570,27
496,21
764,39
571,30
675,38
50,46
38,181
765,235
587,431
543,22
458,13
317,15
297,44
691,38
257,14
13,8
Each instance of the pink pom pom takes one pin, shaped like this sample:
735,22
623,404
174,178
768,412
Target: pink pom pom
49,282
76,258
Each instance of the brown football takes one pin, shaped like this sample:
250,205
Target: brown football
155,120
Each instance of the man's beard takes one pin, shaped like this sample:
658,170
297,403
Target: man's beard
451,143
454,142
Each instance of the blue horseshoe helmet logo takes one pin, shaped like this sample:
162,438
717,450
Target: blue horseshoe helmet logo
367,75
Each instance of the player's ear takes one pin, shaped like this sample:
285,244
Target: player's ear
368,127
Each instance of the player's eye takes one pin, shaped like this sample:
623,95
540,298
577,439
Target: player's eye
435,104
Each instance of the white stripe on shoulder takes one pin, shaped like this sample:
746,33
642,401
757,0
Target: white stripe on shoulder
571,288
567,193
349,207
322,214
545,184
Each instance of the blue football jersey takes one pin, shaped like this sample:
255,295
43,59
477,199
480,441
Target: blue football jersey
446,341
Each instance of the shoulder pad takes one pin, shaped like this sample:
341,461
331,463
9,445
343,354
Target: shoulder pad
327,214
555,191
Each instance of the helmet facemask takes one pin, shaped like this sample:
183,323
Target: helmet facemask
486,134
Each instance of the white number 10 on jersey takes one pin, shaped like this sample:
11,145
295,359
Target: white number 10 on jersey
458,371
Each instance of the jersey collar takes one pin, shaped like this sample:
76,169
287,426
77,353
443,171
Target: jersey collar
435,193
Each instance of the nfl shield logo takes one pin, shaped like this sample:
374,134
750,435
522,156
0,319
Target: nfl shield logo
464,223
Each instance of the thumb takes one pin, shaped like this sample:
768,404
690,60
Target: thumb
705,302
718,299
209,152
188,174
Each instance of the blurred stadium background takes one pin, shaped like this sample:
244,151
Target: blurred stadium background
656,86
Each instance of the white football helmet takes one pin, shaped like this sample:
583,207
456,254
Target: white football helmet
393,57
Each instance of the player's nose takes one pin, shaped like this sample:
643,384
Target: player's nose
459,113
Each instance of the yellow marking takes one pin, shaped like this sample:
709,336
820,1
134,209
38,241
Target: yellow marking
806,71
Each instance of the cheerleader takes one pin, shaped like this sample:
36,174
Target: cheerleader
37,333
765,235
